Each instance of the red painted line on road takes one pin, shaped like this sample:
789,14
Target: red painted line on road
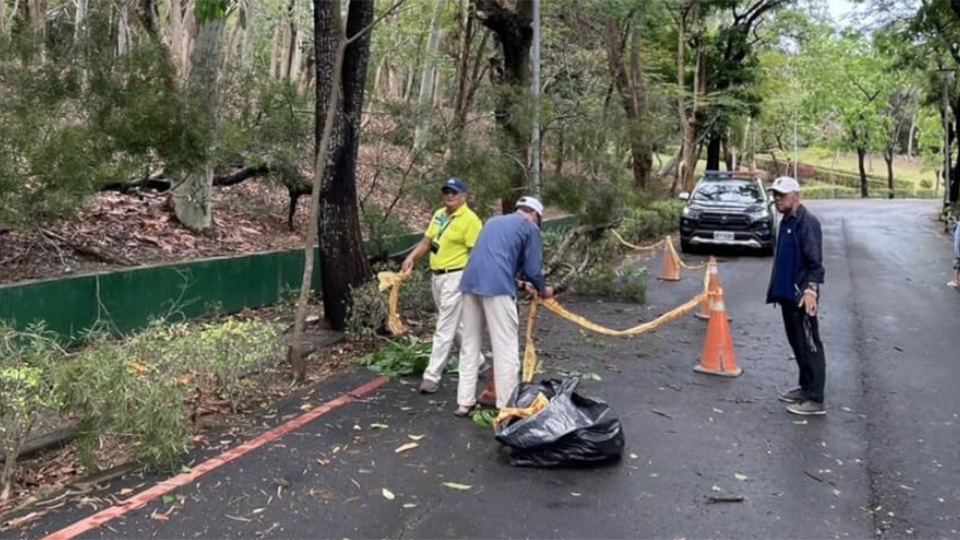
163,488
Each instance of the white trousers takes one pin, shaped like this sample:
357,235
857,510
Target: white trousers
447,297
499,314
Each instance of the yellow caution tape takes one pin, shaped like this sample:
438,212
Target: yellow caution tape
392,281
672,252
651,247
508,413
667,241
530,352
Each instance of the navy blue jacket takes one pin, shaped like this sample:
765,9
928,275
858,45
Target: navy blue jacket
809,244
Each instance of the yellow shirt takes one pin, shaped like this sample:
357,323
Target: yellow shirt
452,238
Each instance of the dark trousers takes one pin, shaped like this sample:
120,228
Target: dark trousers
803,333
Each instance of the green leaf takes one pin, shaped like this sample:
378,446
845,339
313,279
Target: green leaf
169,499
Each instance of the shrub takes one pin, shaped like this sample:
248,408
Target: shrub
670,212
640,225
627,285
368,310
137,390
26,390
926,183
369,307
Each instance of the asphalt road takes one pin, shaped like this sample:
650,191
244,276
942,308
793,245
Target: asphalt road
884,462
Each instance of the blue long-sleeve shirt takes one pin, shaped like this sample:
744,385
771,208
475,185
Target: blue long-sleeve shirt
508,246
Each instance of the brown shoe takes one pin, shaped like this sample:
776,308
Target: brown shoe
428,387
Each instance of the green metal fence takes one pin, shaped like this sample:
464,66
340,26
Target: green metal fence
128,299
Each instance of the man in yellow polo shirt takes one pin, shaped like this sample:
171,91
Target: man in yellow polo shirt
452,233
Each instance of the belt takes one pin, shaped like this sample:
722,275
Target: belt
450,271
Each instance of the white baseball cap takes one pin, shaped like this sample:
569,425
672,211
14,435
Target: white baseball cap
531,203
785,185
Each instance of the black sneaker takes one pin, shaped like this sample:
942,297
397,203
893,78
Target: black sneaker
792,396
807,408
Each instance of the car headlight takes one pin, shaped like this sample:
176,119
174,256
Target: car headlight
760,215
691,213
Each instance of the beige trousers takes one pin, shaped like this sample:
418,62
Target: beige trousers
447,297
499,314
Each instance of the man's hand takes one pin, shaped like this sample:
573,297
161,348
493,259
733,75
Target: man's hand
407,265
809,303
531,290
547,292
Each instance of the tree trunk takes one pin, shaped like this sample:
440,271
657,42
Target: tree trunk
79,20
727,154
275,51
888,157
342,260
249,38
3,17
515,35
291,44
412,74
671,165
123,30
328,34
910,136
688,121
190,32
427,79
629,90
463,63
191,196
232,44
176,32
37,16
713,153
861,156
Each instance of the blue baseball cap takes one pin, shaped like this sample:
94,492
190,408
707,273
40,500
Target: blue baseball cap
454,184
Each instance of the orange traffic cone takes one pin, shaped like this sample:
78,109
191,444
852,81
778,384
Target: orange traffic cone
718,356
670,268
713,287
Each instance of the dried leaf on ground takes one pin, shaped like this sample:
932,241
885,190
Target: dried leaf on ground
387,494
456,486
405,447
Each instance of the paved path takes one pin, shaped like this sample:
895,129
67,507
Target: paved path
886,461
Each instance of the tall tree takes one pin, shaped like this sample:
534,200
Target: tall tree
619,33
342,260
689,14
732,69
514,34
428,78
192,194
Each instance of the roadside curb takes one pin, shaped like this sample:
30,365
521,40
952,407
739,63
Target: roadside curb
162,488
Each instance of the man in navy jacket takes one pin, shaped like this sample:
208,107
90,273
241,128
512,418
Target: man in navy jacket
795,285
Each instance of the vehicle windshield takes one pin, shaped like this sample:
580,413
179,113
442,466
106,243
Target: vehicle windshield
730,192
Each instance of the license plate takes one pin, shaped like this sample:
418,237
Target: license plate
723,236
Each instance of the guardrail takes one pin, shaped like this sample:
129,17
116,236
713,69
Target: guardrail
129,299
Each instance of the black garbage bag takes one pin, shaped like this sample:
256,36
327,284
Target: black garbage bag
572,430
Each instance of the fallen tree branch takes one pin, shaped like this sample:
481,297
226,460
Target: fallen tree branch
100,253
158,181
243,174
571,239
